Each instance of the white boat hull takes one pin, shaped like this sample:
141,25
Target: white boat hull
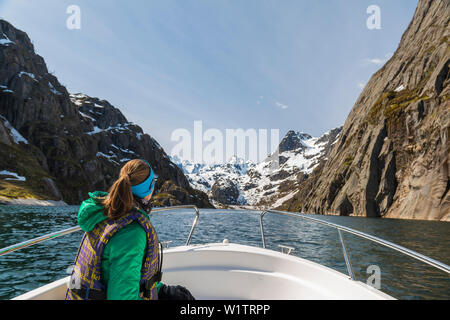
238,272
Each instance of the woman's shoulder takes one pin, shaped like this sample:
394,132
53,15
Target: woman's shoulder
132,235
135,229
91,212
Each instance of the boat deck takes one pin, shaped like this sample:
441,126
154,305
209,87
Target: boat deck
238,272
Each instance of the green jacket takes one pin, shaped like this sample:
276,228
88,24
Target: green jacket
123,254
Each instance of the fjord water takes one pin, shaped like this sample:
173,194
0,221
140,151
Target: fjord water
401,276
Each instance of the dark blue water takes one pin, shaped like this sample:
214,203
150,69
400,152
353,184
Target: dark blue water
401,276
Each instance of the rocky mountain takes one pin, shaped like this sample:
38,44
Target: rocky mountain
278,178
265,184
59,146
392,157
204,176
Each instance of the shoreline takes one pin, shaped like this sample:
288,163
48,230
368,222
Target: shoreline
256,208
31,202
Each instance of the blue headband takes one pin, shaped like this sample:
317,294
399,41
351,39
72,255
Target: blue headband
145,188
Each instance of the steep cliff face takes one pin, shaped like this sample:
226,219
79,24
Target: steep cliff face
392,158
71,144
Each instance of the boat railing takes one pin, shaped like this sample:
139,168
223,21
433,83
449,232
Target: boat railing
61,233
341,229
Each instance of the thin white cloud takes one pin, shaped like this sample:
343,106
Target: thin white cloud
376,61
260,99
281,106
379,61
361,85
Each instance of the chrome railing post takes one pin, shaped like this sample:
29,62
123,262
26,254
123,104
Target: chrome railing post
346,256
261,223
194,225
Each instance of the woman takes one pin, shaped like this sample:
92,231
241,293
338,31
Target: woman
118,258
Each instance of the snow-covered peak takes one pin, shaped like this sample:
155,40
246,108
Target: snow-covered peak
293,141
78,96
298,154
236,160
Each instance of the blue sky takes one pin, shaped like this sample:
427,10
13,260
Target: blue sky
262,64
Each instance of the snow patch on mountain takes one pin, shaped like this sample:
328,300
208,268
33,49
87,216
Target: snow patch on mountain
15,135
31,75
5,41
12,176
270,182
203,176
53,90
